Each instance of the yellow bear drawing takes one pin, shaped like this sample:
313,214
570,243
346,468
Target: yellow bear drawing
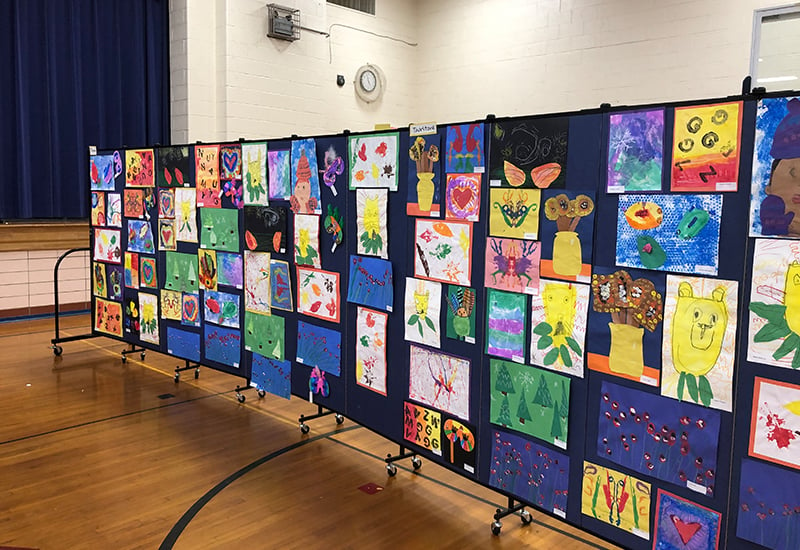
559,311
698,329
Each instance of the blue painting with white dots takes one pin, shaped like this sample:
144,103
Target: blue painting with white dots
272,375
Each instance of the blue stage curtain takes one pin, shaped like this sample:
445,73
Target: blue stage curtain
76,73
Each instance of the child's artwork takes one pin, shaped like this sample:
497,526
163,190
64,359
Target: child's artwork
439,380
280,285
222,345
114,210
99,280
272,376
133,206
567,234
705,152
512,265
230,269
422,311
461,313
333,166
232,195
108,317
102,171
333,222
529,153
617,499
206,161
130,317
181,272
514,213
635,151
422,427
669,232
371,221
148,318
183,343
131,270
462,197
318,293
265,228
423,177
659,437
634,305
370,283
147,272
774,335
166,203
530,400
107,246
171,303
115,281
506,318
221,308
190,309
305,197
265,335
684,525
207,268
464,149
219,229
186,215
317,384
371,349
458,443
699,340
173,166
529,471
98,209
306,240
139,168
558,326
373,160
443,251
319,347
775,422
774,204
140,237
254,173
230,162
257,288
769,506
280,178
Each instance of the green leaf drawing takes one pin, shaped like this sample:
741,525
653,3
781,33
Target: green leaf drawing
681,385
419,327
430,324
791,342
542,329
691,385
706,393
565,358
551,357
773,313
413,319
544,342
772,331
572,343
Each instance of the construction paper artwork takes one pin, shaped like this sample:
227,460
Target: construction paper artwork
443,251
114,210
529,153
265,335
139,168
464,149
130,317
171,303
280,285
99,281
514,213
423,311
319,347
181,272
458,443
147,272
506,319
769,506
617,499
131,270
173,166
333,166
221,308
567,234
371,283
530,400
463,197
140,237
683,525
512,265
265,228
529,471
635,151
98,209
306,240
107,246
148,318
222,345
183,343
424,178
333,222
659,437
775,423
254,173
280,179
373,160
371,221
371,349
219,229
232,195
257,288
305,197
108,317
774,209
190,309
318,293
206,159
461,313
423,427
699,345
115,281
186,215
166,235
272,376
103,169
317,384
439,380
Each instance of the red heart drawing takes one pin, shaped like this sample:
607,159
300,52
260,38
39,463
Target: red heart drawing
166,235
190,310
685,530
462,197
230,159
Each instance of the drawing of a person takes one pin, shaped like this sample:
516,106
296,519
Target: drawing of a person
780,210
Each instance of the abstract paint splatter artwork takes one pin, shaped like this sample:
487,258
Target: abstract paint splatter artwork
371,283
775,422
464,149
256,281
558,326
530,152
439,380
371,349
272,376
635,151
769,506
373,160
318,293
319,347
423,312
617,499
512,265
684,525
443,251
506,319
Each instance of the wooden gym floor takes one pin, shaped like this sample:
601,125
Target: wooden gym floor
93,454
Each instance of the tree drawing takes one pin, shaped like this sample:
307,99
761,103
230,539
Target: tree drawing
555,428
564,410
503,383
543,396
522,409
504,417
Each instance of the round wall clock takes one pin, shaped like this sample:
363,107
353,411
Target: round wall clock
369,82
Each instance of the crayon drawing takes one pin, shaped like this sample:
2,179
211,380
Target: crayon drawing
108,317
280,179
439,380
265,228
305,197
506,319
98,217
140,237
172,166
148,318
527,153
567,234
443,251
558,326
206,160
221,308
635,151
256,281
139,168
107,246
422,427
371,349
684,525
219,229
424,178
371,283
271,376
265,335
102,171
617,499
319,347
230,268
254,173
222,345
373,160
461,313
422,311
114,209
318,293
306,240
775,422
464,149
769,506
186,215
462,197
514,213
183,343
371,221
280,285
512,265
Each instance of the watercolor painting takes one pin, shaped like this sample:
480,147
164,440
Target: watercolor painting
108,317
186,215
166,203
171,303
219,229
506,321
222,345
207,268
617,499
514,213
529,471
699,345
230,269
131,270
459,443
332,162
271,376
113,209
635,151
147,272
527,153
103,169
306,240
181,273
461,313
684,525
221,308
774,204
443,251
265,228
190,309
257,286
140,237
423,312
439,380
423,427
230,162
254,174
183,343
107,246
659,437
567,234
769,506
512,265
319,347
371,349
775,422
280,285
462,197
265,335
280,178
424,177
558,326
318,293
373,160
172,166
305,197
529,400
370,283
464,149
139,168
669,232
371,222
98,215
206,162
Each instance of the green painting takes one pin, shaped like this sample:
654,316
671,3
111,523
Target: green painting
530,400
182,273
219,229
461,313
264,334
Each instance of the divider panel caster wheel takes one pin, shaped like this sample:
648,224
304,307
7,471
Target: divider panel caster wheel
197,373
339,419
416,462
304,428
177,377
496,526
124,358
526,517
143,355
391,469
57,350
240,397
261,394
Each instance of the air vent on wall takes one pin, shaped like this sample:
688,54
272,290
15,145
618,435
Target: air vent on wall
284,23
367,6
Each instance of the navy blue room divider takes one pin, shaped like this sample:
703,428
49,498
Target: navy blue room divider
537,304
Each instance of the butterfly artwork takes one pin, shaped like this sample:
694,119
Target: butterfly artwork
134,203
183,343
317,385
206,161
219,229
230,268
257,281
207,268
171,303
305,197
318,293
371,283
635,151
254,174
190,309
103,169
108,317
371,362
265,335
172,167
512,265
514,213
333,167
464,149
107,246
139,168
186,215
439,380
423,311
423,427
371,222
271,376
113,209
148,318
461,313
265,228
140,237
222,345
462,197
221,308
280,179
306,240
319,347
617,499
443,251
98,209
280,285
681,524
373,160
529,153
